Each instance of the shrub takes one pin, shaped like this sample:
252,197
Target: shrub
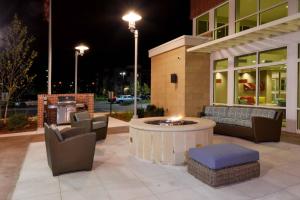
141,112
152,111
1,124
17,121
125,116
126,103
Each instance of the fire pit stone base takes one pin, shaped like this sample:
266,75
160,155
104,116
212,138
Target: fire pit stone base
167,144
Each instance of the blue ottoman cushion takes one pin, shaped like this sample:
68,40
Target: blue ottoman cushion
220,156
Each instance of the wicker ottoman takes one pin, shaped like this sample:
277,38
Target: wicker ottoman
223,164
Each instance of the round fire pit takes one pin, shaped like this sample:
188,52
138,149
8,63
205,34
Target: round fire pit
166,141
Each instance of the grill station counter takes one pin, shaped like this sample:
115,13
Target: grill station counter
59,113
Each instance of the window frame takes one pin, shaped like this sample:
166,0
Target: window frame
213,79
257,13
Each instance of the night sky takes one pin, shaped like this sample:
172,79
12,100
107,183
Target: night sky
98,24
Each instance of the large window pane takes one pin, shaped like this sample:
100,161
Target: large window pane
220,87
276,55
202,24
298,124
298,85
274,13
245,86
221,15
245,60
245,8
272,87
221,64
264,4
246,23
221,32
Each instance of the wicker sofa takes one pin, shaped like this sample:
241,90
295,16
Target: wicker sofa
255,124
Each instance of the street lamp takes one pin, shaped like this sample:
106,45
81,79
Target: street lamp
79,51
123,74
131,18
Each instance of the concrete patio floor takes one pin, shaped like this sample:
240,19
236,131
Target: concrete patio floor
117,175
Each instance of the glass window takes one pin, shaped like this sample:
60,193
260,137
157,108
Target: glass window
245,8
221,64
264,4
298,124
245,86
272,85
221,32
220,87
276,55
202,24
246,23
274,13
298,85
245,60
221,21
221,15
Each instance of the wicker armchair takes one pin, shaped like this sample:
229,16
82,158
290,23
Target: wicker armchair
97,124
69,150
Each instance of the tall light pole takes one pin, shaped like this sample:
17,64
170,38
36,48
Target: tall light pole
131,18
123,74
50,49
79,51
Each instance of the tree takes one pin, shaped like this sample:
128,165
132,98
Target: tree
16,59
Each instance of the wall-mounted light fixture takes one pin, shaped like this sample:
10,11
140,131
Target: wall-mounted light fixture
174,78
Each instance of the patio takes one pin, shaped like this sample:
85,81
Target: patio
117,175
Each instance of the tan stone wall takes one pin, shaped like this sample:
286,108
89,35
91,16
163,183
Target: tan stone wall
197,82
165,94
192,90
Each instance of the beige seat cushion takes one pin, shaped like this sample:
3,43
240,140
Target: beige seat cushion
80,116
99,124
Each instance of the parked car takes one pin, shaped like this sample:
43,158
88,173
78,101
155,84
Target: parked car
126,98
113,100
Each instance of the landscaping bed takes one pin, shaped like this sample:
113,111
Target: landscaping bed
18,123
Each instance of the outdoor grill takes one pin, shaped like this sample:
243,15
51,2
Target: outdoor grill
65,105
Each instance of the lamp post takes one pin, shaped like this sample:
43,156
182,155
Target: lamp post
79,51
131,18
123,74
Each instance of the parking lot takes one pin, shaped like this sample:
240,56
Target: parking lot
100,106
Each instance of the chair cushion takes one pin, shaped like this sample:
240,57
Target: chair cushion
215,119
82,116
216,111
239,113
220,156
57,132
99,124
259,112
246,123
227,120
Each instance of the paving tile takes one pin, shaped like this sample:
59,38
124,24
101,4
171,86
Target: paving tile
32,188
183,194
163,184
79,181
91,193
282,195
295,190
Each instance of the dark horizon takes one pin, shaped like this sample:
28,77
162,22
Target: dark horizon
99,25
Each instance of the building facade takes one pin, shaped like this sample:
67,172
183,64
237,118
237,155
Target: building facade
253,50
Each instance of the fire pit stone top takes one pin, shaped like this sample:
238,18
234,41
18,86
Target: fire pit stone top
165,124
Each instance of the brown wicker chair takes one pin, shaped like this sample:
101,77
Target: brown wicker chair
69,150
97,124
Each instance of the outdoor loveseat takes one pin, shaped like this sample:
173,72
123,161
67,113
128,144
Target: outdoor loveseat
255,124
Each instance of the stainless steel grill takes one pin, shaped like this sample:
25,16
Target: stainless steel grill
65,105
